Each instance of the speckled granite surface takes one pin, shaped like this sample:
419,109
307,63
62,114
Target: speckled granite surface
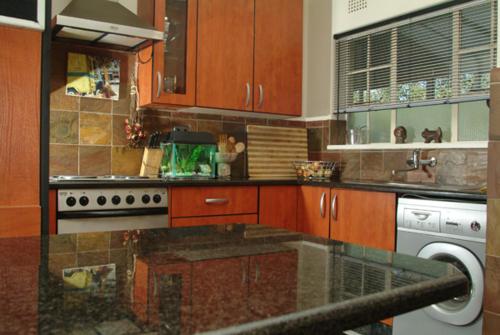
227,279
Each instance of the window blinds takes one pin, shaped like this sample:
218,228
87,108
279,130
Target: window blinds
441,57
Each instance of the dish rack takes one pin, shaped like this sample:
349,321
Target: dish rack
317,170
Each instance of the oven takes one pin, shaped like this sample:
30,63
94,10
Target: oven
111,209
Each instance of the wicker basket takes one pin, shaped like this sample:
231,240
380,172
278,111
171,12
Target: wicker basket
317,170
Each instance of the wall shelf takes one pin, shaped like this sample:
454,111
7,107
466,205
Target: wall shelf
418,145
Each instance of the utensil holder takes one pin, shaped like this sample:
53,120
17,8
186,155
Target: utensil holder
151,161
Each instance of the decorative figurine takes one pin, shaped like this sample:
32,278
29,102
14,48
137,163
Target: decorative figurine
430,135
400,133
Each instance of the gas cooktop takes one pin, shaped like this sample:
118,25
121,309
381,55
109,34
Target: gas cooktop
93,178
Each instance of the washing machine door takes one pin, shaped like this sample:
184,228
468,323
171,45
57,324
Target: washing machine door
459,311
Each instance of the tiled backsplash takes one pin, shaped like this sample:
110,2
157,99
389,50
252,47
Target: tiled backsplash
461,167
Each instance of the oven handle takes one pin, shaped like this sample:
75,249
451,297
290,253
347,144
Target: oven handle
112,213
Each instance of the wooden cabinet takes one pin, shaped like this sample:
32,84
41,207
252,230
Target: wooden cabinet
250,55
214,200
209,220
220,286
278,57
273,284
364,217
313,211
167,70
162,289
278,206
20,71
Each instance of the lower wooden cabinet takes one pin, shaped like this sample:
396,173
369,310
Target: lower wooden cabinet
272,284
278,206
364,217
211,220
220,286
313,211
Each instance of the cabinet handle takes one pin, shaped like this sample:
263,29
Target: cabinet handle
257,272
261,95
216,201
322,205
247,100
334,207
158,93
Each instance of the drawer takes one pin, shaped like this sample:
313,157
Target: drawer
220,200
212,220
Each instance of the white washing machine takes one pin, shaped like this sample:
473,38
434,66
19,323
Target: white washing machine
447,231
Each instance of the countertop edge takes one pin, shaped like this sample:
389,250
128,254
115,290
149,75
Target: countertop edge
369,186
337,317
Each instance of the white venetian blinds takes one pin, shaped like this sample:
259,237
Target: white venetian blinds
444,56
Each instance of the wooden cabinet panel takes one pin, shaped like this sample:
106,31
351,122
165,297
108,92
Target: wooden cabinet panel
273,284
278,57
278,206
225,54
219,285
20,71
362,217
313,208
162,293
156,63
210,220
205,201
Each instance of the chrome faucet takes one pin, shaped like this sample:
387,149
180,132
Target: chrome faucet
414,162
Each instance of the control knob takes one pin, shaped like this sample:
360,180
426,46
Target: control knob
101,200
146,199
84,201
130,199
116,200
157,198
71,201
475,226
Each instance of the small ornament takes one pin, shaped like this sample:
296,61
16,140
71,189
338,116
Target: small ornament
400,134
134,133
430,135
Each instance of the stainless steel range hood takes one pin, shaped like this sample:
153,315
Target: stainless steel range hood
103,23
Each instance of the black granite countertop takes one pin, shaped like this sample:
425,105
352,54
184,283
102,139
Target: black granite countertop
225,279
430,190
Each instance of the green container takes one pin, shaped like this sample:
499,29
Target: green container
188,154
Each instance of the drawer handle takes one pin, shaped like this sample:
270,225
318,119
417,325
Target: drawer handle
216,201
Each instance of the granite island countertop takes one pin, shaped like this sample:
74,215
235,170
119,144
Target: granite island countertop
226,279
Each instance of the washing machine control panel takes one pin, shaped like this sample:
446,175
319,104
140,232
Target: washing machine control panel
463,219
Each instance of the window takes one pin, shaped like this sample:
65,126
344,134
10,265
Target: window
441,57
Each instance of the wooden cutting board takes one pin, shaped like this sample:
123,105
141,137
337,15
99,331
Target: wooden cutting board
271,151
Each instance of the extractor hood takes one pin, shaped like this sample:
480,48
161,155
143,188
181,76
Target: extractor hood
103,23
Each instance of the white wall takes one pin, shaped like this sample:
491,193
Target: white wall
59,5
317,58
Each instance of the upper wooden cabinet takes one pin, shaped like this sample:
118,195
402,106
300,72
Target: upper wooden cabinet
166,73
364,217
250,55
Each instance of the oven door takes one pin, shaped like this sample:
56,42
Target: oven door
98,221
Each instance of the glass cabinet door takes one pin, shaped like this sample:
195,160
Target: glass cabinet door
174,57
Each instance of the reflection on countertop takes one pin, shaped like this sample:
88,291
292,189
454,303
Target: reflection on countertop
250,278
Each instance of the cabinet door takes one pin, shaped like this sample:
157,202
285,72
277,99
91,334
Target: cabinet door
363,217
225,54
273,284
175,57
314,211
220,287
278,206
278,57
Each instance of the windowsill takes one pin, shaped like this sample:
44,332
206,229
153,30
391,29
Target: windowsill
419,145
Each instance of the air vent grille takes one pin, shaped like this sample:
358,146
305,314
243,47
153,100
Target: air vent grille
356,5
